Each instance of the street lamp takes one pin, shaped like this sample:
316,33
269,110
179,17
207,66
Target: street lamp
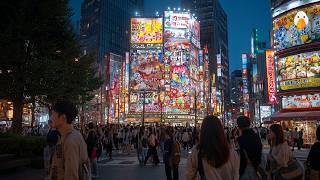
195,108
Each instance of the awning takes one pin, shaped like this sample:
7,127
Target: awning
297,116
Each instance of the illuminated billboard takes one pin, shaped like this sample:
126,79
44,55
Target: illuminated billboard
195,32
146,69
271,77
299,71
152,102
310,101
146,30
297,27
176,20
245,91
265,111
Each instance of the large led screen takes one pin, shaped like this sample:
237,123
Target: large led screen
146,30
146,69
299,71
297,27
151,102
301,101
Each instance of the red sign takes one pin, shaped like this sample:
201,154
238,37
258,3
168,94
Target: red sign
271,77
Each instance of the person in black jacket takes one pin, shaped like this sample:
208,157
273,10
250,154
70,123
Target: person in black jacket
250,146
313,161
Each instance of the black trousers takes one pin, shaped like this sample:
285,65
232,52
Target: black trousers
171,171
109,150
152,151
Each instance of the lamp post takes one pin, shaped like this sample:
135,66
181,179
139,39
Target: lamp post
195,108
118,109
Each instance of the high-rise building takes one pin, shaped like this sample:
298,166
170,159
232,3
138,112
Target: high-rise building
236,95
214,35
105,32
105,25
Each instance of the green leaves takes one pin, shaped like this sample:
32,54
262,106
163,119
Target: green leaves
37,53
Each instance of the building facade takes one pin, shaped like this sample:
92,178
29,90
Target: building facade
214,35
294,65
236,96
105,32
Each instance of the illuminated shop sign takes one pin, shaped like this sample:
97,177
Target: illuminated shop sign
297,27
299,71
301,101
265,111
271,77
178,20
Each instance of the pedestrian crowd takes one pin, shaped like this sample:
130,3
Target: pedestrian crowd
214,152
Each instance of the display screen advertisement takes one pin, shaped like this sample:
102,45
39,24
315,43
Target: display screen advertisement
195,32
298,102
297,27
271,77
265,111
176,33
146,70
146,30
176,20
299,71
151,105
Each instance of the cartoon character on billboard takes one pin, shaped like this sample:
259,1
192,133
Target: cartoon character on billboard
301,21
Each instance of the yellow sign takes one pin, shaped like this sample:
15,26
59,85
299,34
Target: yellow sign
146,31
300,83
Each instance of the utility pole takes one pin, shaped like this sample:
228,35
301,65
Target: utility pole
143,106
195,108
119,109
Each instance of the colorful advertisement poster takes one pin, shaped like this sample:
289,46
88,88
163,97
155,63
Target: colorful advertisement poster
195,32
176,34
146,30
146,70
299,71
265,111
151,102
176,20
297,27
310,101
271,77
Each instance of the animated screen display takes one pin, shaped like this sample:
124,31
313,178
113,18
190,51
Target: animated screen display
297,27
176,20
146,30
146,69
299,71
301,101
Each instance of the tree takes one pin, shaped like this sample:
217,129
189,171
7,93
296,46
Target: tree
38,49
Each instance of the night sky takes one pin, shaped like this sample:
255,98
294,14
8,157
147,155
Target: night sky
243,16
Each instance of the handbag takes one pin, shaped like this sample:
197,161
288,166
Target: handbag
292,171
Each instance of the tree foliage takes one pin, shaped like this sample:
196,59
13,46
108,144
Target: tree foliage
37,53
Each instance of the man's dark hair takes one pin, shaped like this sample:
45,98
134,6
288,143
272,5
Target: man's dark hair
318,133
67,108
90,125
243,122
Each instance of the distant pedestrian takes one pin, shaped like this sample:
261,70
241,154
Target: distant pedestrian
300,139
213,158
92,142
295,138
171,155
152,148
70,159
313,160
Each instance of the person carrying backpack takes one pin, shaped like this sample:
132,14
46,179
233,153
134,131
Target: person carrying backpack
70,160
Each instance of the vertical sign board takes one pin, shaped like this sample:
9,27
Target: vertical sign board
271,77
219,73
245,84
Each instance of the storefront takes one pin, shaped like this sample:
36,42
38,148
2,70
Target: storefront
304,120
296,66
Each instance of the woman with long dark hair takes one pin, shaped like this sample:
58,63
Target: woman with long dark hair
280,153
213,158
